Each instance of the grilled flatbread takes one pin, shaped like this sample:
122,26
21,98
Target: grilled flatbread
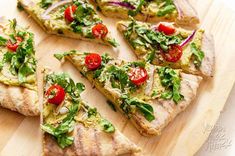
18,86
179,11
168,45
73,128
151,96
70,18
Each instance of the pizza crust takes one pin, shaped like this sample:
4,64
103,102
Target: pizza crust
20,99
91,141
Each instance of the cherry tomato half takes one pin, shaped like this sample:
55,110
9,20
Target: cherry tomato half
174,53
138,75
167,30
93,61
68,13
100,30
55,94
14,46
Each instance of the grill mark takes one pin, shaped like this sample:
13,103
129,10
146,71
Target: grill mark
97,143
10,104
79,146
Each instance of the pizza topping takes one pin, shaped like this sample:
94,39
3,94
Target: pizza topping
170,79
122,4
188,39
166,7
138,75
167,30
55,94
69,13
100,30
129,104
93,61
198,55
13,45
173,54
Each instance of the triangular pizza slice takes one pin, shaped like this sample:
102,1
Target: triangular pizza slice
18,84
151,96
71,127
165,44
71,18
179,11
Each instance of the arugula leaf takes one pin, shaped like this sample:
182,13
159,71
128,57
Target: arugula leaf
166,10
167,7
61,56
107,126
171,80
113,42
198,55
3,41
144,108
137,10
45,3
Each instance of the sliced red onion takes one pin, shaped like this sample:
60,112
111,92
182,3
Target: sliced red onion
122,4
54,6
188,39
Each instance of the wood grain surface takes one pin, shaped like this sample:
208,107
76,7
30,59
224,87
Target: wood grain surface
20,136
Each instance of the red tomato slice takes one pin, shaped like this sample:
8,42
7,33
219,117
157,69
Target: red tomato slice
100,30
167,30
55,94
68,13
138,75
93,61
14,46
174,53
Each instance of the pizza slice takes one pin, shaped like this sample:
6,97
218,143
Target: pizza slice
179,11
71,18
165,44
71,127
151,96
18,85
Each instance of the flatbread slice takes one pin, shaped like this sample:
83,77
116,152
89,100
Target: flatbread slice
70,18
179,11
165,44
151,96
18,85
73,128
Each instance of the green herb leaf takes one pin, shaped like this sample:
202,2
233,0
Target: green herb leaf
3,41
45,3
107,126
171,80
198,55
144,108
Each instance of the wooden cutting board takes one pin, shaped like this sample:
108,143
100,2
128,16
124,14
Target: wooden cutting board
20,136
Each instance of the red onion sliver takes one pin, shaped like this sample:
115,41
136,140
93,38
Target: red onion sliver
187,40
122,4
